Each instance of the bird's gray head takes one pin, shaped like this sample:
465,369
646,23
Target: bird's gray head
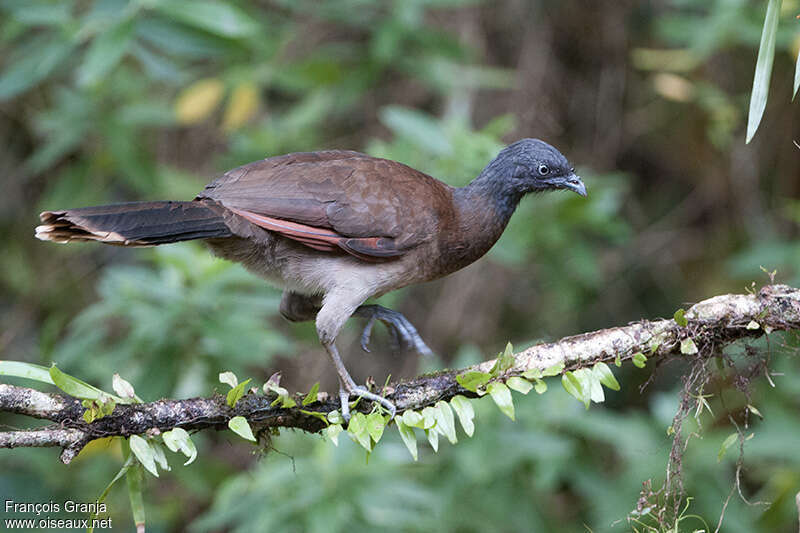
536,166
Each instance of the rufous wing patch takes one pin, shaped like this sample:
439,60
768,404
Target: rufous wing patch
368,249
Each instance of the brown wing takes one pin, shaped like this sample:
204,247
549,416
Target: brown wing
371,208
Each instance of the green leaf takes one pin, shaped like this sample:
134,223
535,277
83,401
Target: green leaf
573,386
590,386
418,128
221,18
107,407
502,397
553,370
104,53
603,373
229,378
618,361
680,318
357,429
639,360
409,439
158,454
144,453
35,62
240,426
727,443
332,432
755,411
473,380
130,461
335,417
688,346
433,438
287,402
445,422
428,417
178,439
532,374
520,385
413,419
90,414
236,393
375,426
79,389
316,414
655,344
763,73
19,369
134,481
465,412
540,387
311,397
504,361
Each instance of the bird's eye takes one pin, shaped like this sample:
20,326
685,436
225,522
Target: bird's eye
544,170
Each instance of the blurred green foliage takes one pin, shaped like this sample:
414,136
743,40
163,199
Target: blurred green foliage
112,100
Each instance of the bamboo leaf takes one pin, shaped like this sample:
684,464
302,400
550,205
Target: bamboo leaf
80,389
221,18
105,52
134,480
763,73
19,369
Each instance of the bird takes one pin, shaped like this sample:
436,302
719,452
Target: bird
335,228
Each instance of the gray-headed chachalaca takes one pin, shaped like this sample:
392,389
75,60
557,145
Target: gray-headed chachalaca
335,228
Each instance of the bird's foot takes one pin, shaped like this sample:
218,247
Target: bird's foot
361,392
404,334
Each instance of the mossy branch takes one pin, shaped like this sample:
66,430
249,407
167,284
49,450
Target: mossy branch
710,324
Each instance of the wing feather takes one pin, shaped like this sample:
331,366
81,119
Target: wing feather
371,208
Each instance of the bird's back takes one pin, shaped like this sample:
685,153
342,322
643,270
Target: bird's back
350,193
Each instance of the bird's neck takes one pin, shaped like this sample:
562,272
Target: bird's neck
483,209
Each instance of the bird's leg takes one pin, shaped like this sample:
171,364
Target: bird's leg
337,307
403,333
348,387
296,307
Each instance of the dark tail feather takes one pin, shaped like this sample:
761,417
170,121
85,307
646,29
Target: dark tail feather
134,224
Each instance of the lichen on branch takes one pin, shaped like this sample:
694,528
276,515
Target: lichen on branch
705,327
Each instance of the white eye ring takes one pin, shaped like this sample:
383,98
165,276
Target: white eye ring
544,170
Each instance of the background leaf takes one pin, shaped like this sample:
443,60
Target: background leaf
763,72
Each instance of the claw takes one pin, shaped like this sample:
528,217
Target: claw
365,335
403,333
361,392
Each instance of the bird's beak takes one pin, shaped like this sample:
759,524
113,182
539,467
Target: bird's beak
573,183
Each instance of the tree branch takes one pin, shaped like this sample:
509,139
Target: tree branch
712,324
